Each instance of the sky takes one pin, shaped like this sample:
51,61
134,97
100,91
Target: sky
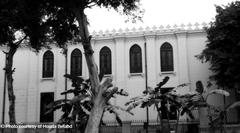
157,12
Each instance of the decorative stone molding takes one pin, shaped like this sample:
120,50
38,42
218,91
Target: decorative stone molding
48,79
135,75
149,30
108,76
167,73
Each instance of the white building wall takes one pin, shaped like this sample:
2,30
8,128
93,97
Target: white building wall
28,81
198,71
33,88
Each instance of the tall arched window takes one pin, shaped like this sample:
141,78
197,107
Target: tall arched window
105,60
76,62
135,59
166,54
48,63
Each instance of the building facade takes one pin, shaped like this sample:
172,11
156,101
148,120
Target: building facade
127,56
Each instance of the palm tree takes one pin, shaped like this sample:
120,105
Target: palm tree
161,97
76,111
210,114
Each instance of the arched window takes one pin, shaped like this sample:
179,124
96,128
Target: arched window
135,59
105,60
76,62
48,63
166,54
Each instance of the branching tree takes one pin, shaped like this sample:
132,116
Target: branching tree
19,21
223,46
60,11
23,23
64,19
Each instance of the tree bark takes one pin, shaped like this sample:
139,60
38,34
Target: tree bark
11,96
95,115
178,116
99,100
86,42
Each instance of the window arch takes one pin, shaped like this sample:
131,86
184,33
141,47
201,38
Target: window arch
105,60
135,59
48,63
76,62
166,57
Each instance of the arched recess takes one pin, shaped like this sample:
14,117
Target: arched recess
166,57
48,64
135,59
76,62
105,60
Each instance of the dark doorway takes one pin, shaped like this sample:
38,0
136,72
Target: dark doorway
46,98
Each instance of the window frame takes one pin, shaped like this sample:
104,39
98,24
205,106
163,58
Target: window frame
105,59
166,58
135,59
76,62
48,64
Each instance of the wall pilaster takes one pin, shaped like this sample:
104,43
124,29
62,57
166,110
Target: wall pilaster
183,67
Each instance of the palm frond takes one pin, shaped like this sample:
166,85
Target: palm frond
163,82
233,105
122,92
74,78
118,119
137,101
134,100
182,85
85,110
68,91
197,98
78,98
149,90
150,102
219,91
58,104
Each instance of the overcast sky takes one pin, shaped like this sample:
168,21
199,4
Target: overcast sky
157,12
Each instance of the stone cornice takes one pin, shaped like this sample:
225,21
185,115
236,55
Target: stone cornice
149,31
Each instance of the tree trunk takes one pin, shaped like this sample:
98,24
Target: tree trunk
86,42
96,115
160,116
98,99
11,96
203,118
178,116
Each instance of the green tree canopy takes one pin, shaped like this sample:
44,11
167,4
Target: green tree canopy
223,46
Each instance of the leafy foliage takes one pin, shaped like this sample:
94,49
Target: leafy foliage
60,21
223,46
22,20
125,7
76,110
184,103
216,114
159,97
